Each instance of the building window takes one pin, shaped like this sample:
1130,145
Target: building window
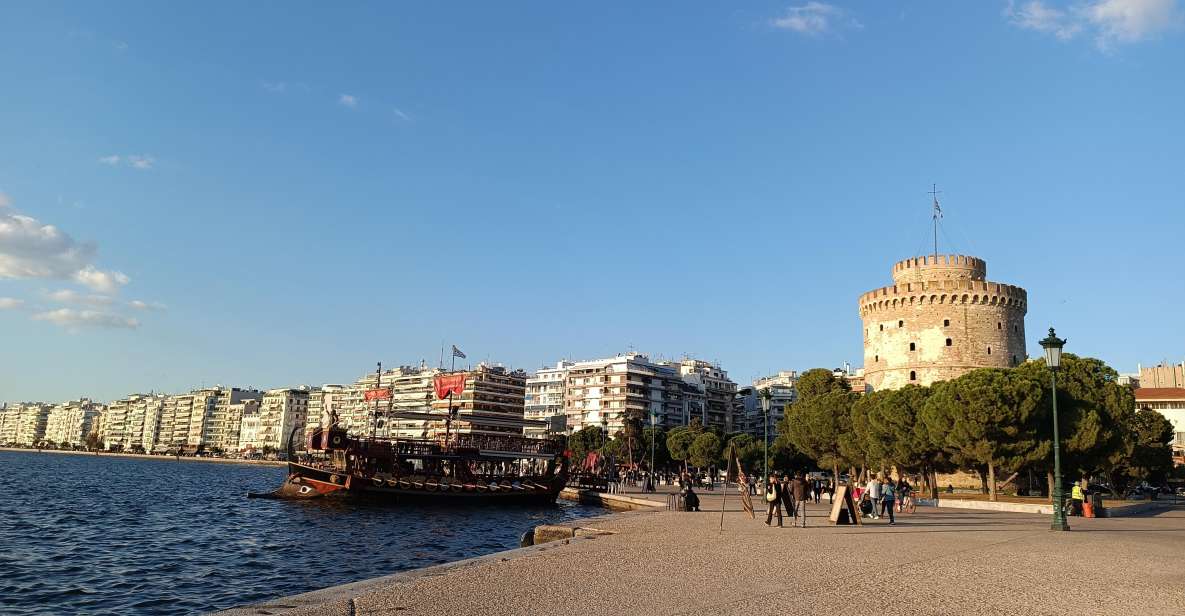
999,325
876,358
1013,360
900,323
948,342
913,376
913,347
946,322
882,327
989,350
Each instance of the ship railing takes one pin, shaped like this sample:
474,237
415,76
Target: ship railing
508,443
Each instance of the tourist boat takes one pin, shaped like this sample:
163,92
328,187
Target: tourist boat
461,468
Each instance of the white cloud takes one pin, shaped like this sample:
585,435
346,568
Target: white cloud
31,249
399,114
348,100
815,18
120,45
1107,21
99,280
75,319
277,87
10,303
135,161
68,296
142,305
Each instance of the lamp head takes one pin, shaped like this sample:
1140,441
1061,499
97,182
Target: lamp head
1053,350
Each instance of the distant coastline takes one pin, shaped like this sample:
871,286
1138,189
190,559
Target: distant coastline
144,456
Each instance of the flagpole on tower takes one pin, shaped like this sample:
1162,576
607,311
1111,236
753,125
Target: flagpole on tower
937,213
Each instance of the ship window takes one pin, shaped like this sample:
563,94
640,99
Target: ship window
913,347
948,342
913,376
946,322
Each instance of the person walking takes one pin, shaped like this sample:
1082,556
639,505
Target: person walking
817,489
800,490
1077,497
773,500
873,490
787,495
888,495
831,491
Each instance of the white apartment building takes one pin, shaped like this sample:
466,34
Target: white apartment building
783,391
604,392
545,399
280,412
126,420
717,409
71,422
23,423
221,428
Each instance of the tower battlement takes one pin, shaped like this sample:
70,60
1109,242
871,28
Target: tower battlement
939,267
940,318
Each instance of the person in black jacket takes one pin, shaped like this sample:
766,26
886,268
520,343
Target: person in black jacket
773,500
788,498
800,492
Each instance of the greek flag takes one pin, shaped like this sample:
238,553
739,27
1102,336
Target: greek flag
457,352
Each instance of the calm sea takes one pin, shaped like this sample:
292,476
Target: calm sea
106,535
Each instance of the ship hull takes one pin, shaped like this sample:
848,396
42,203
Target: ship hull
306,482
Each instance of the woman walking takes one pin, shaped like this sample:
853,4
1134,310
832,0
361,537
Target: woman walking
773,500
888,495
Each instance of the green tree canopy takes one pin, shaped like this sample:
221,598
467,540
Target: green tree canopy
705,450
819,381
984,418
815,425
679,442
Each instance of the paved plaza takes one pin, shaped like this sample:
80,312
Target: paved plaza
932,562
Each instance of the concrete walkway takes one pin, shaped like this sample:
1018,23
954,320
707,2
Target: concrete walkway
933,562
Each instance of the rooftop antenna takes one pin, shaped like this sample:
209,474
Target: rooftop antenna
937,214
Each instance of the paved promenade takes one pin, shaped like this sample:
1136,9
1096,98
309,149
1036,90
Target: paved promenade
932,562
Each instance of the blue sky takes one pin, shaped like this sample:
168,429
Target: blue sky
276,193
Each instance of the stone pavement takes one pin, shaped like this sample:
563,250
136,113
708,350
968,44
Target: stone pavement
932,562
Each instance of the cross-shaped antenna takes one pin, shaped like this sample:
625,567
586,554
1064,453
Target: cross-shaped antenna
937,213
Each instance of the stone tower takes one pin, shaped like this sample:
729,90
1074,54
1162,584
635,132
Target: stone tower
940,319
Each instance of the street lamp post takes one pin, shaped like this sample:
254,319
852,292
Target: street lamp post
653,437
1053,358
766,400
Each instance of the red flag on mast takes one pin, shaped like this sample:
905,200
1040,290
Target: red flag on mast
446,384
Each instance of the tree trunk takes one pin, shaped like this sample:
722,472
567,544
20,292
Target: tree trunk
983,487
1049,479
992,481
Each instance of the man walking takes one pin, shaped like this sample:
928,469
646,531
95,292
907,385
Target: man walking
887,498
873,490
801,492
773,500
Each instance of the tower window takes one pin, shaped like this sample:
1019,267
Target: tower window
913,347
913,376
946,322
989,350
876,358
948,342
1013,360
882,327
900,323
998,325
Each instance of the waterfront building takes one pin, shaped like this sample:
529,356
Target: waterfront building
23,423
127,419
69,423
718,391
223,421
1170,402
782,388
545,399
280,412
608,391
940,319
1162,376
493,402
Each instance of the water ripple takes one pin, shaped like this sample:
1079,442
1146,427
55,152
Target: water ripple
105,535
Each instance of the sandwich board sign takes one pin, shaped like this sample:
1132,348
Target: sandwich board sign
843,508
